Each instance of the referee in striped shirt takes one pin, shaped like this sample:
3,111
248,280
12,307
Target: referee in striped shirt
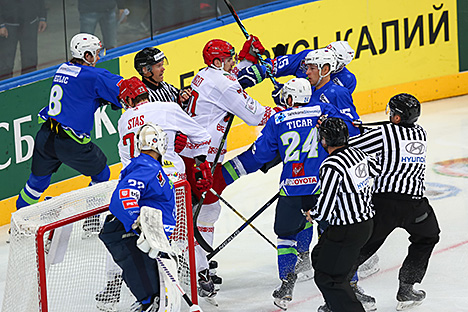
149,63
399,193
345,204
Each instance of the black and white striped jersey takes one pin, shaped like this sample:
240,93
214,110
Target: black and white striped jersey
345,180
164,92
402,155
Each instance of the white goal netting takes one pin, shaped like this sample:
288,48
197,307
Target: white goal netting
67,269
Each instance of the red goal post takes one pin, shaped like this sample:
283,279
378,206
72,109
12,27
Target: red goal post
57,262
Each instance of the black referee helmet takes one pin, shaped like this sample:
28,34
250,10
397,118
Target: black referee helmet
334,131
406,106
146,58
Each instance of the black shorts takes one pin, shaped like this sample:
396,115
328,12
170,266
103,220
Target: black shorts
51,150
289,219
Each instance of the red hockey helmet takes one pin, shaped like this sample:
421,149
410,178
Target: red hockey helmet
131,88
217,49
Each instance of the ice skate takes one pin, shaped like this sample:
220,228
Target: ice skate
324,308
107,299
368,302
217,280
304,267
408,297
206,288
283,294
370,267
148,307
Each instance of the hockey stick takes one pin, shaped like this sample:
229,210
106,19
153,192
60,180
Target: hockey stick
375,123
201,241
242,227
193,307
246,35
242,217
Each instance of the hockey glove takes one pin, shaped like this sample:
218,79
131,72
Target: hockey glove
250,49
180,142
250,76
276,95
203,177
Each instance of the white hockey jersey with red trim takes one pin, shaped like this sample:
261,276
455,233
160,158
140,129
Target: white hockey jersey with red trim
171,118
215,93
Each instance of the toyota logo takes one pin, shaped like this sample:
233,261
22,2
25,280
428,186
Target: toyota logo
415,148
361,171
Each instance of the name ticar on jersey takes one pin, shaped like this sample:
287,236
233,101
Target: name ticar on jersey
300,123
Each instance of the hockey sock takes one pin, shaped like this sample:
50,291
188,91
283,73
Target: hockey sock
287,256
32,191
304,238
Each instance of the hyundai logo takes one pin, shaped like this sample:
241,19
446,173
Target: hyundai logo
361,171
415,148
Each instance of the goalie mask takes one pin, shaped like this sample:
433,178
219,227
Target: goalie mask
334,131
343,52
148,57
82,43
217,49
298,89
406,106
131,88
152,137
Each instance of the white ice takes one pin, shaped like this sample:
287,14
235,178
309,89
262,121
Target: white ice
248,263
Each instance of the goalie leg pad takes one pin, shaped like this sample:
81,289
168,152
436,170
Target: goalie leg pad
139,271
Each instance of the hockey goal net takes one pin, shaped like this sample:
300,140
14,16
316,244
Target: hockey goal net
58,263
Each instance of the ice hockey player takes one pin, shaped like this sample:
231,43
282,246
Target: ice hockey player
216,94
398,194
293,64
169,116
293,133
142,183
345,205
78,90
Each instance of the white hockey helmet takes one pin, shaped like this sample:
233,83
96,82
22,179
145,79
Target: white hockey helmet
298,89
82,43
321,57
152,137
343,52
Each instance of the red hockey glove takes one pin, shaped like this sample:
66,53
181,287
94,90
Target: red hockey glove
250,48
180,142
203,177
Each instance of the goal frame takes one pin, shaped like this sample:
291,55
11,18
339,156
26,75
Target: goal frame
42,230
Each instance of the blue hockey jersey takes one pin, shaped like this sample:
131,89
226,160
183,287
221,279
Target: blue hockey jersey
293,65
77,92
293,133
340,98
144,183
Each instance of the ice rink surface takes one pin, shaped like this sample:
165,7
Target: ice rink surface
248,263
